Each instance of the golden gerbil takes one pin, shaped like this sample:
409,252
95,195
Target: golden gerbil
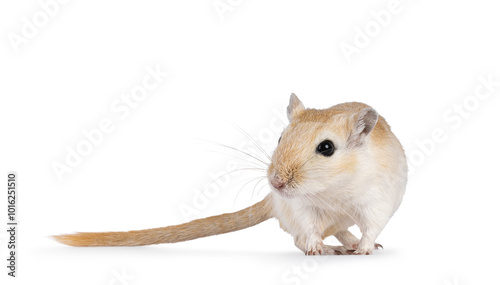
332,169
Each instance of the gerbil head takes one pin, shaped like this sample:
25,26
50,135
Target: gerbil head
320,150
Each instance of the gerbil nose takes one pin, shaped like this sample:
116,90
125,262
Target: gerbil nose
277,183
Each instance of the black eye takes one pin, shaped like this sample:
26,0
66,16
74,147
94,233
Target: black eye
279,140
325,148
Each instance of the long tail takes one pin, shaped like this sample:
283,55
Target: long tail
215,225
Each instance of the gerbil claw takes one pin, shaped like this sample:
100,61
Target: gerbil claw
314,249
376,246
314,252
360,251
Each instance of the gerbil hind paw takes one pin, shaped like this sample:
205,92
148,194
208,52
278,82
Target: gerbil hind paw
376,246
338,250
367,251
329,250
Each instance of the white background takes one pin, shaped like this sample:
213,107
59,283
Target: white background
240,70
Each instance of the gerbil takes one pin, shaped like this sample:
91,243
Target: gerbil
332,169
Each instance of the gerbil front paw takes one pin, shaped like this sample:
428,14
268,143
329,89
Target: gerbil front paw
314,249
314,245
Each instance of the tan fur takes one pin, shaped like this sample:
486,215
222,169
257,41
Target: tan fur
314,195
362,183
195,229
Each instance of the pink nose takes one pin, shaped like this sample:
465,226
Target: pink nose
278,184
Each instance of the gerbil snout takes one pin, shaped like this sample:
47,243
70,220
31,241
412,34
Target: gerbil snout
278,183
281,182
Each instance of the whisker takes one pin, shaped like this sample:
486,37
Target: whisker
262,187
238,150
249,181
345,211
252,140
228,173
307,160
322,195
251,199
236,157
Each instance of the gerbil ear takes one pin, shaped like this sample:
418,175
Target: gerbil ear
294,107
363,123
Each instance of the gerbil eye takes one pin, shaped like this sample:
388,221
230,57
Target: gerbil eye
325,148
279,140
